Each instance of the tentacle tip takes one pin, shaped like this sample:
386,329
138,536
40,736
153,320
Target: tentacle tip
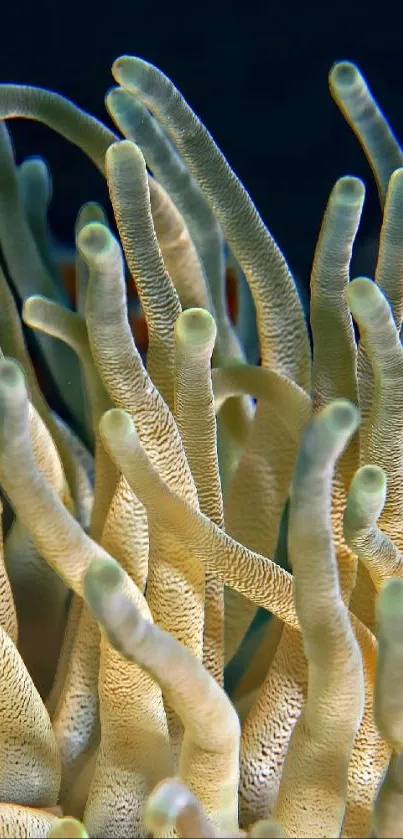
363,297
196,328
165,803
372,479
124,161
11,375
94,240
120,64
113,98
116,425
114,92
396,178
131,71
342,414
344,75
350,190
120,102
68,828
120,61
32,309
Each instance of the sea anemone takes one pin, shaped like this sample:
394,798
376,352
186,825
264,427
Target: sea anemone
144,538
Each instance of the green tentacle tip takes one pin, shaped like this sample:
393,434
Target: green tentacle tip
344,77
364,298
122,102
370,480
349,191
125,152
196,328
341,416
396,178
67,828
11,376
34,310
131,71
116,425
95,241
366,499
35,172
325,438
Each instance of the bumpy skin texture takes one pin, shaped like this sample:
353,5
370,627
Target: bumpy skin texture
192,225
259,479
334,374
75,715
253,496
129,386
186,507
388,809
8,616
25,822
381,338
267,729
388,278
125,533
40,595
277,303
208,760
195,334
29,756
232,563
120,786
321,742
355,100
59,322
365,502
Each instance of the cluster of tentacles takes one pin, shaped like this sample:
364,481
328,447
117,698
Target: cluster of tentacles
139,548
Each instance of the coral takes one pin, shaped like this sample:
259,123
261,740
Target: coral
142,537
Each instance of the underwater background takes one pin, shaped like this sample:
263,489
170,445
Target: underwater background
254,72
